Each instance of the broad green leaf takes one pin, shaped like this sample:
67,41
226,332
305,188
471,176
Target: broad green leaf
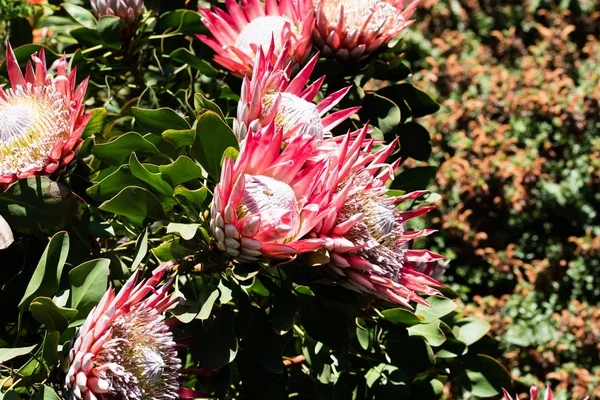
159,120
417,178
196,197
88,285
109,29
186,231
155,180
487,377
217,344
418,101
380,110
86,36
46,277
113,184
136,204
184,56
430,331
171,251
55,318
50,353
470,330
7,354
118,150
46,393
440,306
141,249
96,122
6,235
181,170
414,141
401,316
180,21
201,103
213,137
81,15
38,204
179,138
207,306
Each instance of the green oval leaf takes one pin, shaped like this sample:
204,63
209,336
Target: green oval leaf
136,204
213,137
158,121
88,285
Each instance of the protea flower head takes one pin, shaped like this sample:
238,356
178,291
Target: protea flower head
125,350
41,119
266,202
252,25
364,233
533,394
349,30
272,96
127,10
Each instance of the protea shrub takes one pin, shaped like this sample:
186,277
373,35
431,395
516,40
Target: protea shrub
125,349
127,10
253,25
41,119
364,232
272,96
265,202
350,30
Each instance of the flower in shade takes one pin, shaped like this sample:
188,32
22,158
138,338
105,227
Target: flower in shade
252,25
349,30
127,10
125,349
272,96
41,119
364,232
266,202
533,394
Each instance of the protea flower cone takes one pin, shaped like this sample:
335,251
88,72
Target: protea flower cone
41,119
125,350
252,25
127,10
266,202
350,30
272,96
533,394
364,233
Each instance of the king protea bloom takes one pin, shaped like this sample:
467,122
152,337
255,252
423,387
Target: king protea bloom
41,119
239,34
271,96
533,394
364,233
128,11
266,202
125,350
349,30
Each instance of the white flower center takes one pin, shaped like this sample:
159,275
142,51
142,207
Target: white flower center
32,121
356,13
275,202
294,111
259,32
380,219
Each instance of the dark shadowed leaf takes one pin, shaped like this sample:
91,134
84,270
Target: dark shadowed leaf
158,121
109,29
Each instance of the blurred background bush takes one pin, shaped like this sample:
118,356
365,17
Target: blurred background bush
518,150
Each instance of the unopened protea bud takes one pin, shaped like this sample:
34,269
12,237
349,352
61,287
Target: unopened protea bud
41,119
128,10
349,30
125,350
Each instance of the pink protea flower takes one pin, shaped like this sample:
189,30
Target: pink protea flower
125,350
364,233
533,394
41,119
239,34
349,30
272,96
127,10
266,202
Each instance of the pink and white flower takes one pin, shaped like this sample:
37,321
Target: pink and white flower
41,119
350,30
253,25
533,394
364,233
272,96
125,349
266,201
